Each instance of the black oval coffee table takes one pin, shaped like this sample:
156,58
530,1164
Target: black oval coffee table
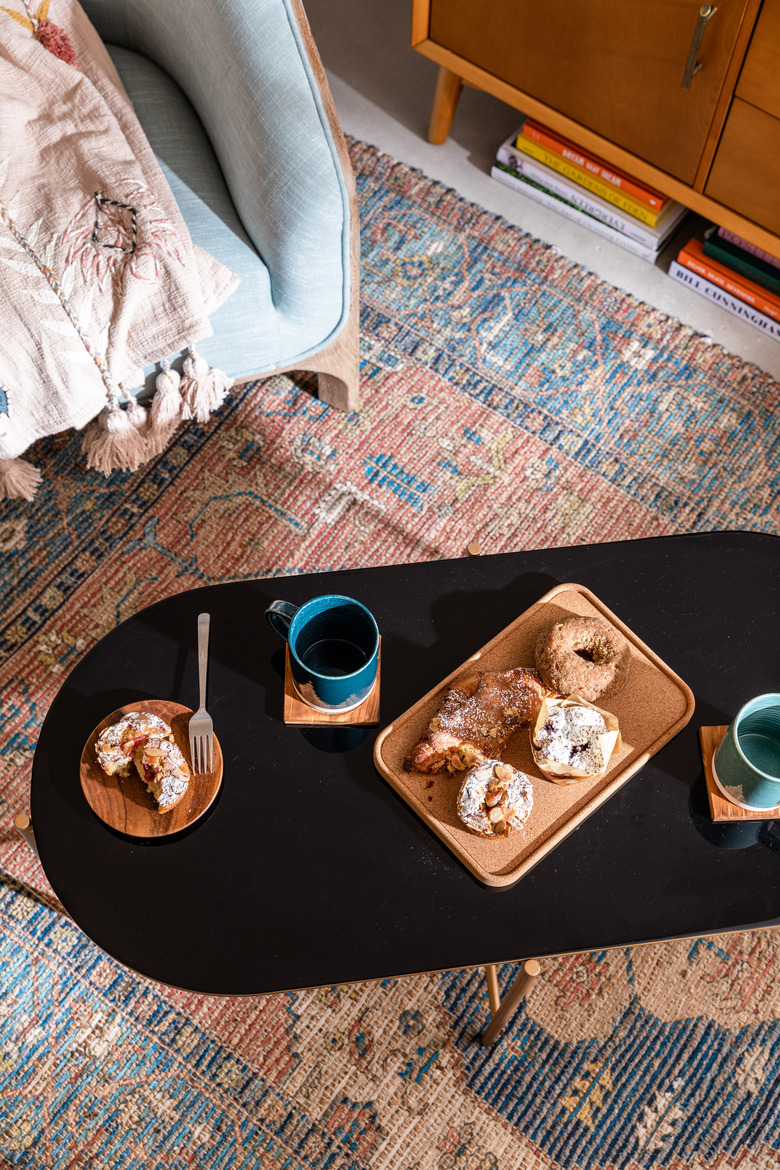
309,869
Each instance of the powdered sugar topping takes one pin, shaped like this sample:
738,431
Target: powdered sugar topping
570,736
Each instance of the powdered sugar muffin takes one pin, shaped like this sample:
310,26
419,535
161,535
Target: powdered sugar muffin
117,744
571,736
164,771
494,799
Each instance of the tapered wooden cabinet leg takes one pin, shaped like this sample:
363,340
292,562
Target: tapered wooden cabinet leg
445,103
522,984
23,826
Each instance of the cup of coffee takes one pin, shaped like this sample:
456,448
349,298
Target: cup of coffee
746,763
333,643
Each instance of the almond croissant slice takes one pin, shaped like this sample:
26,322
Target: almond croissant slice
476,719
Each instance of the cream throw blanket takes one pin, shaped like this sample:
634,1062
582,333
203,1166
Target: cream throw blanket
98,275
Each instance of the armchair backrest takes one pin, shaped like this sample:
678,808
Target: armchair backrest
251,71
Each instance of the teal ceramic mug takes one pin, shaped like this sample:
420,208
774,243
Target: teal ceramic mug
746,763
334,649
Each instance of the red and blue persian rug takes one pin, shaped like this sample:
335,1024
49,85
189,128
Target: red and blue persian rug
511,398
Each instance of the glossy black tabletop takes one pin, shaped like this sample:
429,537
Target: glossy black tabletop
311,870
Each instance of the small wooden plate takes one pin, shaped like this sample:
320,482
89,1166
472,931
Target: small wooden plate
125,803
721,809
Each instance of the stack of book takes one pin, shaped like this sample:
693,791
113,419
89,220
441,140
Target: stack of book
734,273
555,172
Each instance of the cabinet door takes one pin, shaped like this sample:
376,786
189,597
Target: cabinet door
760,76
615,66
746,172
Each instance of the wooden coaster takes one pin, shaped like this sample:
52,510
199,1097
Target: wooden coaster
722,809
125,803
299,714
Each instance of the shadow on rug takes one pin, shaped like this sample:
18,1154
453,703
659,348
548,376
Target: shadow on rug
510,398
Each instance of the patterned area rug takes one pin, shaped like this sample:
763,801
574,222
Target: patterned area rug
510,398
658,1056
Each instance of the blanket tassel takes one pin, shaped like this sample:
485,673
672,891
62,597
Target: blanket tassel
18,479
114,442
202,389
165,410
139,419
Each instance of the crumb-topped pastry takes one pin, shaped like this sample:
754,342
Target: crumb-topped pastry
494,799
116,745
475,721
583,656
571,736
164,770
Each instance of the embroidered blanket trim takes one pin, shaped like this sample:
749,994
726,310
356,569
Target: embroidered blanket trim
98,274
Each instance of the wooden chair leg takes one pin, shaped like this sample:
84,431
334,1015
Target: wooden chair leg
337,368
23,826
445,102
501,1010
338,392
338,365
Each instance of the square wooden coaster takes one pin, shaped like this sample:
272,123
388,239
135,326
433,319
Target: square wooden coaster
720,808
297,713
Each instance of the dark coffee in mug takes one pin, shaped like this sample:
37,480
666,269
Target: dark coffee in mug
334,656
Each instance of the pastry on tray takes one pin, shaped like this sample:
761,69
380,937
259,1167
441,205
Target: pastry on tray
164,770
475,721
117,744
573,740
583,656
494,799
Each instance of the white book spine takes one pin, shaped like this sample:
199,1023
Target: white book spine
579,216
583,199
725,300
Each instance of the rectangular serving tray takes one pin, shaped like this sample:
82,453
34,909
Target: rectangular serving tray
652,708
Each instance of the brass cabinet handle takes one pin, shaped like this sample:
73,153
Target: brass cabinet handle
692,66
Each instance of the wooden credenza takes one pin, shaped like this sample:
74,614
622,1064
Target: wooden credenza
686,100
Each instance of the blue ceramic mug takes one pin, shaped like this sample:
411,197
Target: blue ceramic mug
334,649
746,763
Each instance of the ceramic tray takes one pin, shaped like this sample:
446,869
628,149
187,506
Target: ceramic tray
652,708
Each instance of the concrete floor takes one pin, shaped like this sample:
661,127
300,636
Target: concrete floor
383,92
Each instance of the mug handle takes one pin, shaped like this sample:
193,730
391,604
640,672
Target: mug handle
279,615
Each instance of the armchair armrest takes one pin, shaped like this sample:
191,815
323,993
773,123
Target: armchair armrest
250,69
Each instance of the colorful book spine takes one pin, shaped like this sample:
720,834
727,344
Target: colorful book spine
585,179
732,304
767,257
693,257
541,195
596,166
745,263
508,156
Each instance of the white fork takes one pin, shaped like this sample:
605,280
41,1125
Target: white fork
201,727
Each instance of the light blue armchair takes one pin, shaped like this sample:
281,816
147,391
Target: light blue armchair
234,101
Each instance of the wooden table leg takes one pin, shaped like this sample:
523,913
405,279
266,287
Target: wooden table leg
526,976
445,102
23,826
